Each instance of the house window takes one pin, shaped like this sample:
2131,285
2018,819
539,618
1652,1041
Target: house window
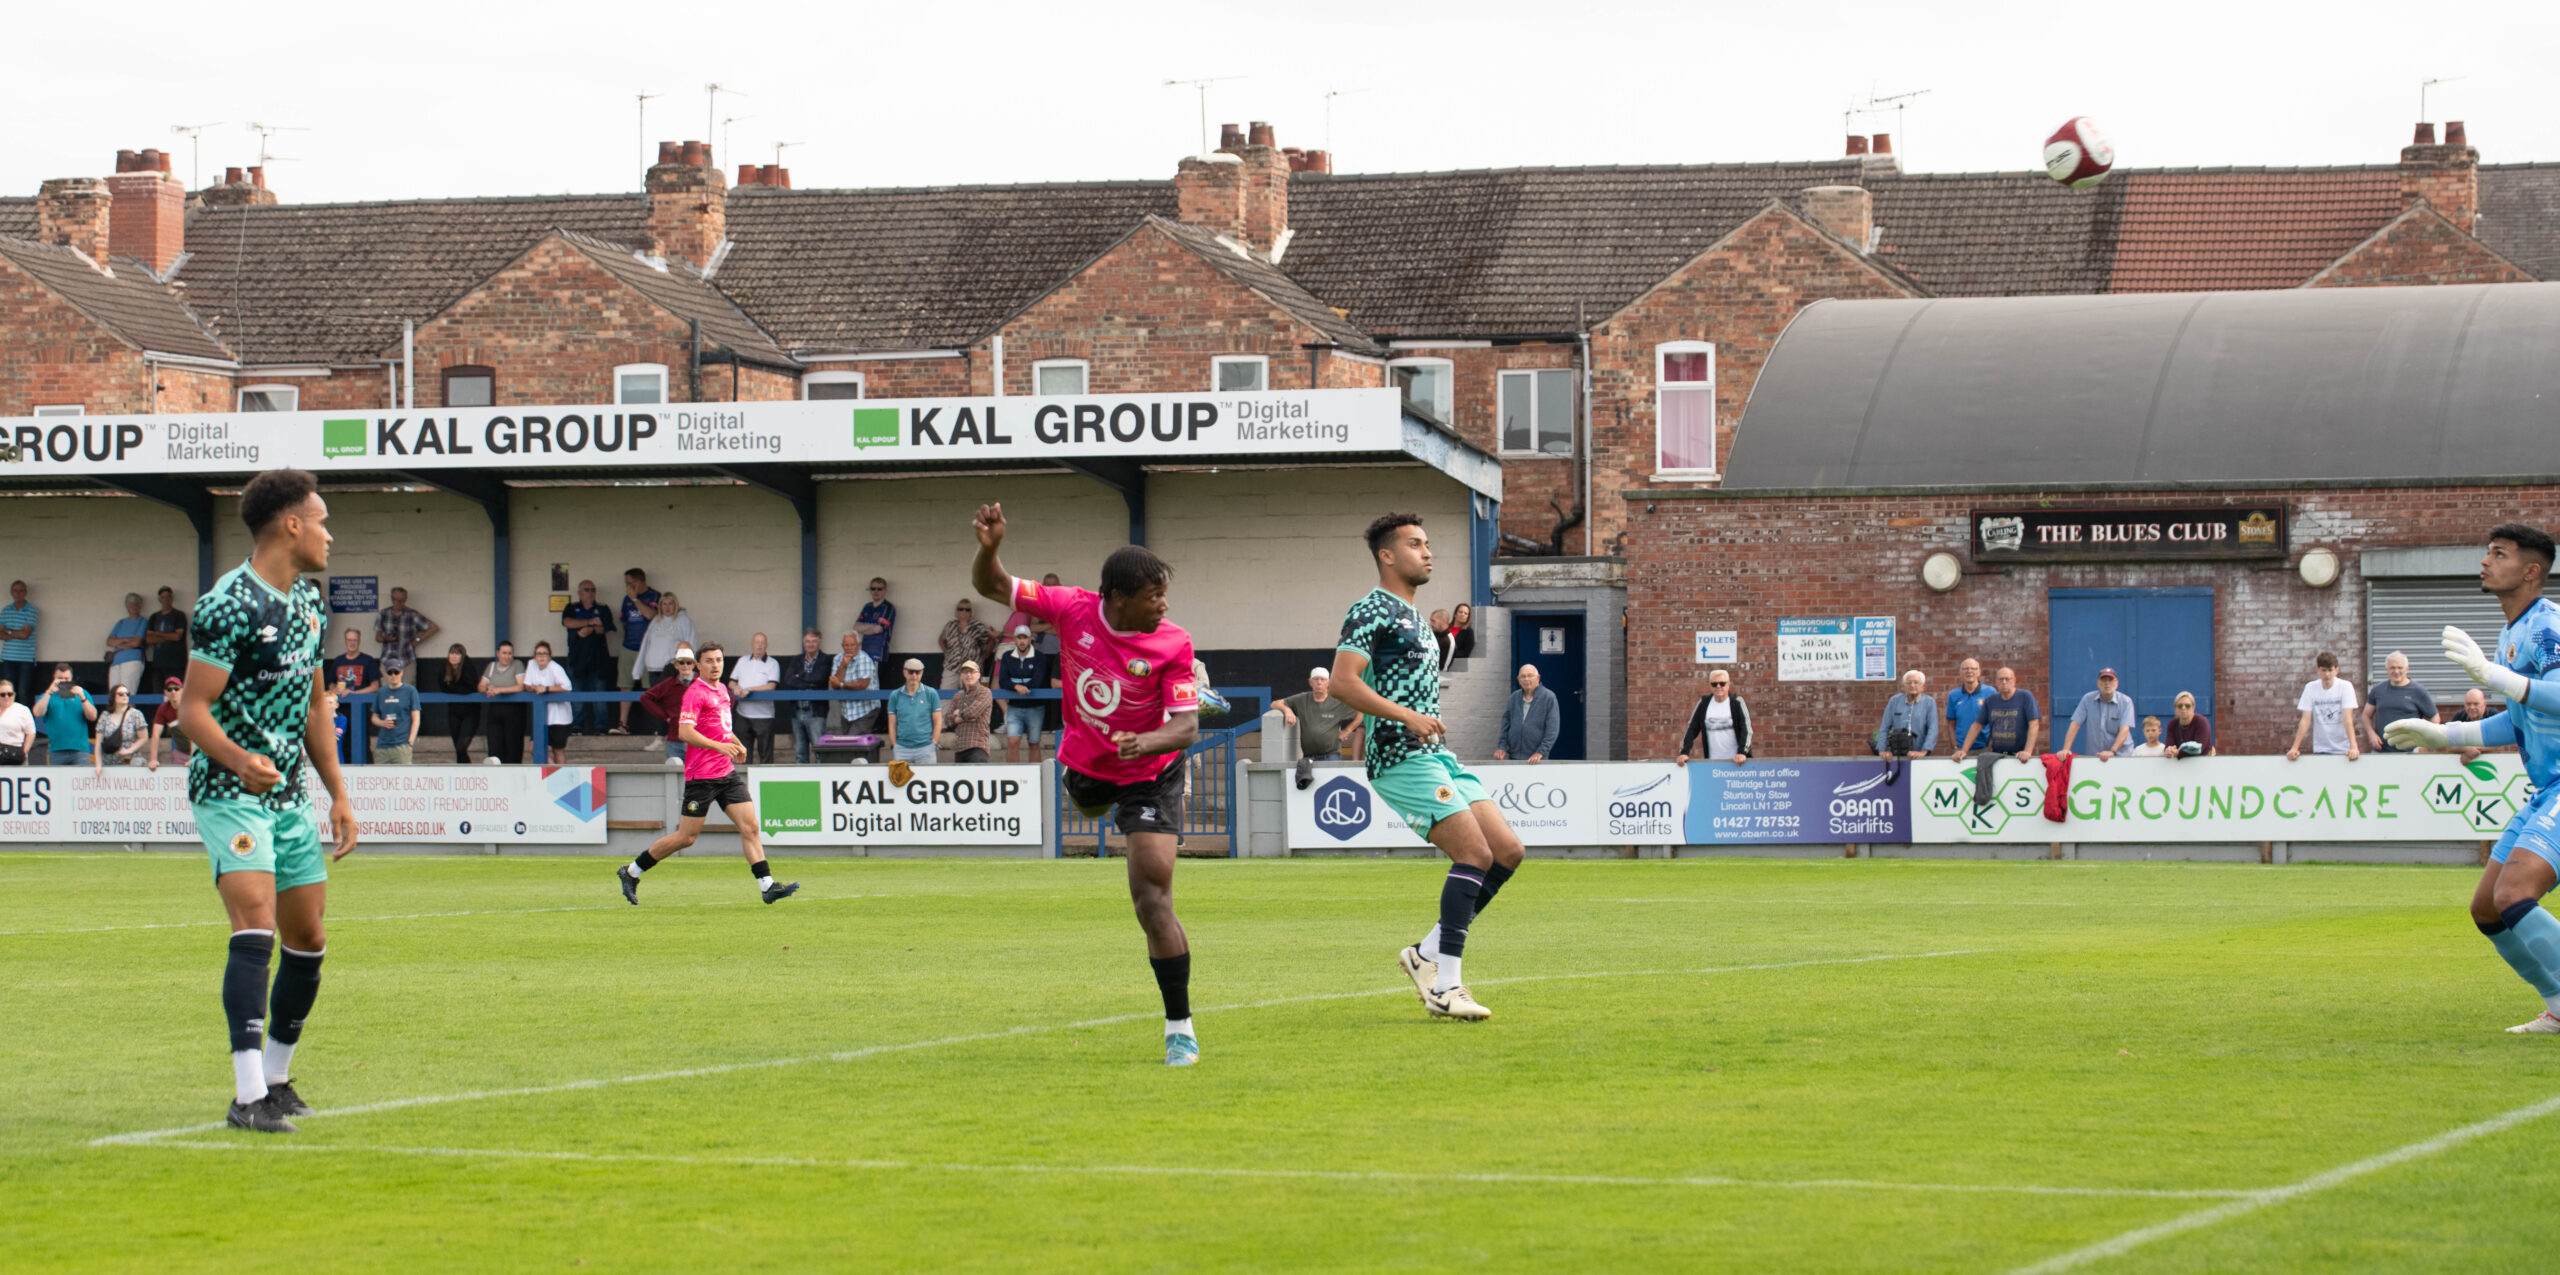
831,385
270,398
1684,409
1240,372
640,383
1430,384
62,409
1537,412
1058,376
467,385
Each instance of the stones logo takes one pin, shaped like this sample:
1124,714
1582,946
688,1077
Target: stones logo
1097,695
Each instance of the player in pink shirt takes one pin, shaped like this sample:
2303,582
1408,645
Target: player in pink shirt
1132,707
711,777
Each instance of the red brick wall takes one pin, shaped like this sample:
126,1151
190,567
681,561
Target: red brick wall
2419,250
749,384
1744,563
354,389
193,390
554,326
1148,317
52,354
915,378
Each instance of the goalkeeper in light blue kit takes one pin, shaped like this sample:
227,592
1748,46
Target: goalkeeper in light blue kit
2524,668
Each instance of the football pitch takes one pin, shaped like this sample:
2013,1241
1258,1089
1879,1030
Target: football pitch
1693,1065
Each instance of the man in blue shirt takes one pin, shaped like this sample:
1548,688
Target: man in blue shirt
2009,723
639,606
915,718
395,716
66,711
1964,703
2524,669
18,638
879,615
124,647
590,657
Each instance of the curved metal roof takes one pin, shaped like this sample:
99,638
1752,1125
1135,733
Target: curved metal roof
2300,385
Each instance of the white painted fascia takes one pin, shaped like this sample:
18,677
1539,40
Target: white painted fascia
875,356
1439,345
718,255
290,369
192,360
1280,246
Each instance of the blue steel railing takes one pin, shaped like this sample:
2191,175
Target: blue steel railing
1209,810
358,706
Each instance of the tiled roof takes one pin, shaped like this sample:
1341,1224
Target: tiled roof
1996,234
17,218
2520,215
2217,229
918,267
320,283
1266,279
1517,252
680,291
139,310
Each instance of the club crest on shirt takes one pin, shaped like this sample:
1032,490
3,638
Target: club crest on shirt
1139,667
1444,794
1099,696
242,844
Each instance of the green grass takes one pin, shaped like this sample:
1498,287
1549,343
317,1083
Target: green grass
2136,1027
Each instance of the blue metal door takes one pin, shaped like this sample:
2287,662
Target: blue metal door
2159,642
1553,642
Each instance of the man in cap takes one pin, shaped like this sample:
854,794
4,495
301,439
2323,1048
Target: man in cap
1327,727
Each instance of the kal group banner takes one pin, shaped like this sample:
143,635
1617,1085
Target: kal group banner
1562,804
506,805
857,805
829,431
2377,797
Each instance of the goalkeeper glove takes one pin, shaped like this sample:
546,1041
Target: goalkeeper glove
2418,732
2507,683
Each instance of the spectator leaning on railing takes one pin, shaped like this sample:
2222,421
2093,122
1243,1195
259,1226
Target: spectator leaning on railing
551,736
2394,699
2106,714
2009,727
855,670
122,732
1530,721
2327,707
2152,745
915,717
1328,729
164,724
502,682
807,671
394,716
753,718
1910,725
124,647
970,709
1720,726
589,655
2187,732
1020,668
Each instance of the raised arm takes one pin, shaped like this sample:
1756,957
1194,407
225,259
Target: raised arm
986,574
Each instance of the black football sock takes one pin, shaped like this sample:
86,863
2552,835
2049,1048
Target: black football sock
1458,893
297,986
642,862
1493,878
244,1003
1173,979
764,874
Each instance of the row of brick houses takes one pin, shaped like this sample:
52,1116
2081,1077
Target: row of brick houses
1598,329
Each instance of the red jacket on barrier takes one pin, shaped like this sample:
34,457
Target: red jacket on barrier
2057,786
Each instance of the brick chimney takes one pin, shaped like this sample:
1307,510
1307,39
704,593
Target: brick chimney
688,212
1241,192
2446,176
1308,161
74,212
1846,211
238,188
147,210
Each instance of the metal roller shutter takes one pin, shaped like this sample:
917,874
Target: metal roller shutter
2409,615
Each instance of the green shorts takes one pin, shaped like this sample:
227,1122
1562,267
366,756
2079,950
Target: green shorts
1428,789
243,836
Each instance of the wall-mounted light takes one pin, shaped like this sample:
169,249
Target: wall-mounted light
2319,568
1941,571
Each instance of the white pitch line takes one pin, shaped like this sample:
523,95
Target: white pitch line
1207,1171
2272,1196
430,916
1032,1029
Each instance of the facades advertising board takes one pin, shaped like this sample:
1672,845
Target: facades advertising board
1562,804
507,805
2377,797
824,431
857,805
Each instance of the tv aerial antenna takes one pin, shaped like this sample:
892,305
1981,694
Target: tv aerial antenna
1875,106
266,138
1202,85
2424,85
194,133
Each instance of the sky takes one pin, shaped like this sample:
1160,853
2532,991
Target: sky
475,98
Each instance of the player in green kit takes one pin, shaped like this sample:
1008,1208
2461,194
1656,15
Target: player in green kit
251,712
1388,669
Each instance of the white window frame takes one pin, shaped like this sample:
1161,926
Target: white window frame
853,379
1084,369
627,369
1218,364
1661,357
1449,410
1537,428
292,396
59,409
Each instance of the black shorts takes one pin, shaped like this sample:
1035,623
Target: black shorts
1153,805
700,795
559,735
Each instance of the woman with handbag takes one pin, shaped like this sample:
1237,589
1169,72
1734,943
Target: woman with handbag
122,729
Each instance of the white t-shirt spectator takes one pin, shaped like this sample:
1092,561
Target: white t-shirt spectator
550,677
2331,707
756,672
17,726
1720,737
